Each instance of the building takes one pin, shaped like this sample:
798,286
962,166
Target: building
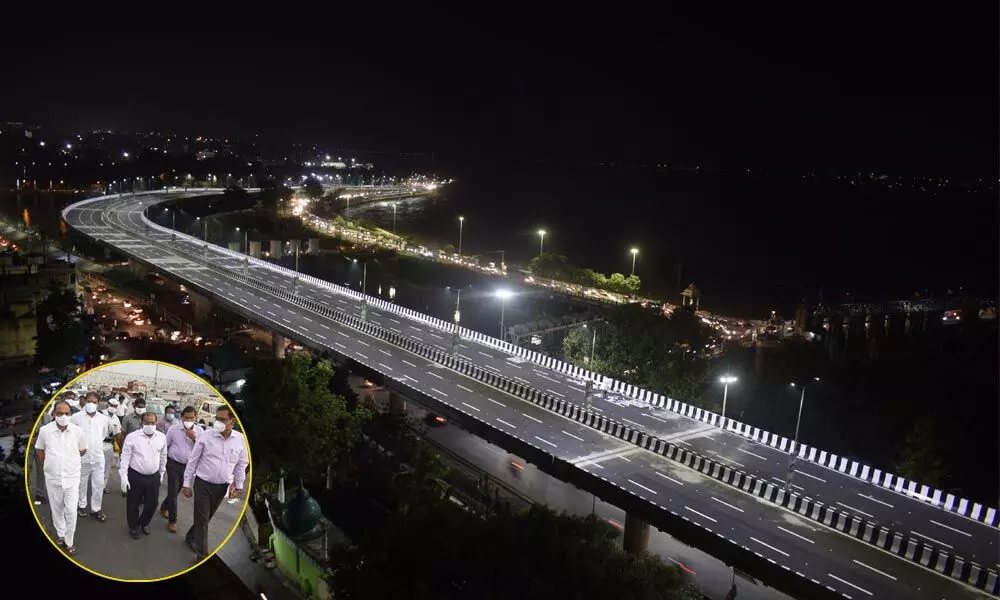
25,281
691,296
18,327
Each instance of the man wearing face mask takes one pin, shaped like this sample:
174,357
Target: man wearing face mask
180,441
132,421
142,466
96,429
218,458
115,427
60,447
168,420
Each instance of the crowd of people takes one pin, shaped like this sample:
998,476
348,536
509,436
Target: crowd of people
80,439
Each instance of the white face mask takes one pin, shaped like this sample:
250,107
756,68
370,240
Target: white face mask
62,420
188,424
148,429
90,407
139,410
219,426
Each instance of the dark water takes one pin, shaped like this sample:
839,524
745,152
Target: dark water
750,244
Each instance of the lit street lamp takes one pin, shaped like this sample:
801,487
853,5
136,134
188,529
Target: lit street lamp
635,252
725,380
503,295
798,421
458,318
541,241
589,391
461,224
393,218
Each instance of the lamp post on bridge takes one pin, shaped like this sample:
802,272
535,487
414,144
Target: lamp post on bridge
793,455
461,225
458,318
503,295
725,380
635,252
589,391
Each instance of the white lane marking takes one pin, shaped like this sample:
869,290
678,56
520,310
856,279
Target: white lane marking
495,402
779,479
286,320
396,330
341,301
927,537
844,581
506,423
339,345
951,528
324,302
766,545
856,510
414,327
385,366
874,569
437,336
472,407
541,439
272,314
625,459
590,462
873,499
406,362
521,380
462,387
546,377
411,379
322,337
361,355
727,504
435,375
751,453
341,333
439,391
668,478
307,318
812,476
632,422
364,343
721,457
324,326
532,418
801,537
575,437
257,307
554,392
384,352
653,418
516,366
484,354
462,345
394,320
637,484
700,514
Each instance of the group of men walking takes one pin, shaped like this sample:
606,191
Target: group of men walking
75,452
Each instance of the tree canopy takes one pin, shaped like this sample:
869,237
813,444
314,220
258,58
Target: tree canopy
643,348
61,334
312,188
558,267
438,550
294,421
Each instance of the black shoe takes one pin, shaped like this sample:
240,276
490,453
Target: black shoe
82,512
190,545
134,533
145,529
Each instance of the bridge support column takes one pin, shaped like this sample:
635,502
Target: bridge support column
636,535
397,404
278,344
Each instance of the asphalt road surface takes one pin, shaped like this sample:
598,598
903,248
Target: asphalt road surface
848,566
107,548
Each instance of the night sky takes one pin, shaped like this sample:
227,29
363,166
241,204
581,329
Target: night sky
831,87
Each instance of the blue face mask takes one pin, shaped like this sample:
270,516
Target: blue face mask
170,416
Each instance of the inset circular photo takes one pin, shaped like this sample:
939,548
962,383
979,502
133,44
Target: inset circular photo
138,470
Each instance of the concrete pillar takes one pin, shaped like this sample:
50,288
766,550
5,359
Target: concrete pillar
636,535
397,404
278,344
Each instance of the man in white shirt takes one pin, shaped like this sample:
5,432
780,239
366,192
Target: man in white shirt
109,442
141,467
96,429
60,446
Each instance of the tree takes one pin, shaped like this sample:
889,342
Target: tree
293,420
61,332
424,485
312,188
919,457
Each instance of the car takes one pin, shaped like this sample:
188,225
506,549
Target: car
122,336
435,420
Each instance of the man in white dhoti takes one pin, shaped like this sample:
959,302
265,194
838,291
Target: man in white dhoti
60,447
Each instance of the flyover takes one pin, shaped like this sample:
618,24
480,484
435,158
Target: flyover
661,459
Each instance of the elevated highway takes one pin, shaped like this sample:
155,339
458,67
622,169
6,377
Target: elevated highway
676,471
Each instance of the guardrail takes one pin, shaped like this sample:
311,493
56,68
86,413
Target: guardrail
914,549
912,489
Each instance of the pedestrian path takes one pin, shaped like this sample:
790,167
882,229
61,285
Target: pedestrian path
108,549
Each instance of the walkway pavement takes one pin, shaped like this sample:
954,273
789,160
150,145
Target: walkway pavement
107,547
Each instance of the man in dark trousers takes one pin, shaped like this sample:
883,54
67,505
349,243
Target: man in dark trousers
218,458
180,442
142,466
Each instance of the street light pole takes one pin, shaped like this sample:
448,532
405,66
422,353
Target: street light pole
725,380
793,458
458,318
173,224
393,218
541,242
461,225
204,227
364,293
635,252
588,393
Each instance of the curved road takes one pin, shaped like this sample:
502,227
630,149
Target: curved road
846,565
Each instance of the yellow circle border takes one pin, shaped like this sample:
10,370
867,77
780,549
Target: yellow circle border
246,486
